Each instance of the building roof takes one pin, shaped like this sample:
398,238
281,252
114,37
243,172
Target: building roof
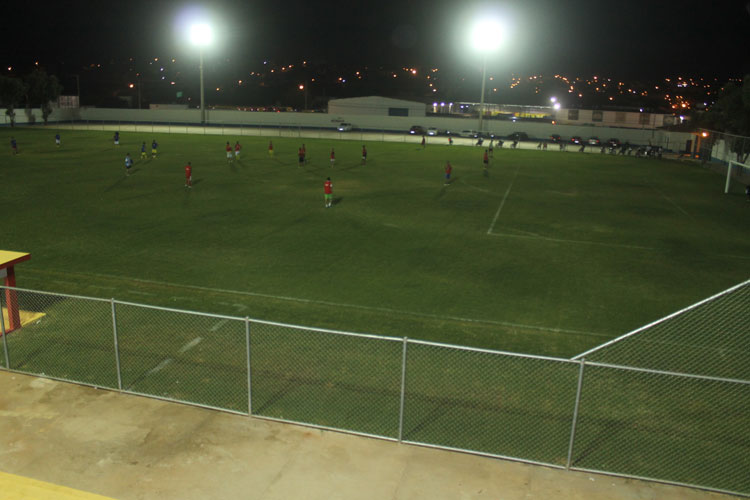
375,100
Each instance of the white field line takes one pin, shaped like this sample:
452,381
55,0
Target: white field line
190,345
576,242
502,203
159,367
668,198
350,306
475,188
220,323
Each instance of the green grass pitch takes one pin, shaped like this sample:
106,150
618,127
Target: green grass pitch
550,253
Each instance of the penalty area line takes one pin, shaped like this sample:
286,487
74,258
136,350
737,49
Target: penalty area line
502,203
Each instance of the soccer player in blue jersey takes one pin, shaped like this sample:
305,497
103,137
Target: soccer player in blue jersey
57,140
143,150
14,145
117,138
154,145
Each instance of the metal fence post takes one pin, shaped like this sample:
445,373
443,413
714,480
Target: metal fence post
117,345
403,390
249,378
5,335
575,414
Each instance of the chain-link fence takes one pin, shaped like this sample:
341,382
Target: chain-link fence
709,338
723,146
647,422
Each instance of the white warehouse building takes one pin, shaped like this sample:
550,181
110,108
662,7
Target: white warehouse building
376,106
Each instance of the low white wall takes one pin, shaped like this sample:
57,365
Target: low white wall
535,130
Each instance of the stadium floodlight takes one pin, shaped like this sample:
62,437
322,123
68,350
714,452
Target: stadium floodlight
486,37
556,106
201,35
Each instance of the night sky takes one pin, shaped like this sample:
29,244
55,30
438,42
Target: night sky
629,39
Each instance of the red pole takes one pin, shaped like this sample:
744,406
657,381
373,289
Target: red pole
11,301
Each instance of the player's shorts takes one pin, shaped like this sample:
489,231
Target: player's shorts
236,154
229,154
117,143
302,159
447,176
270,152
364,157
153,151
57,141
328,196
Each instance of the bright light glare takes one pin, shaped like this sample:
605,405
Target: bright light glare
487,35
201,34
557,105
553,99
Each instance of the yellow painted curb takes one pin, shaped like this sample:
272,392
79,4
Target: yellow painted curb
26,316
14,487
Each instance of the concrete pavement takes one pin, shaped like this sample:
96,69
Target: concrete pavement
135,448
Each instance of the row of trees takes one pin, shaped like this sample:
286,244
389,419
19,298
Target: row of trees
37,89
731,114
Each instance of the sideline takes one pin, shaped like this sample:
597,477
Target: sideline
343,305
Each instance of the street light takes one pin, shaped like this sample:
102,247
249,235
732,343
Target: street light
201,35
487,36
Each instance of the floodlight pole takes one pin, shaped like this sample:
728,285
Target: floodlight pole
481,98
203,103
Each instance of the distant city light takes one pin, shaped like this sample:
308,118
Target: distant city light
130,85
301,87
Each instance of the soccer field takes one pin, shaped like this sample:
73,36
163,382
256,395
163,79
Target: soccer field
550,253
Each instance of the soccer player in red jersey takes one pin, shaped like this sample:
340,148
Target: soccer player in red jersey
333,157
301,155
237,148
270,148
229,152
448,170
304,153
424,142
188,175
328,192
364,154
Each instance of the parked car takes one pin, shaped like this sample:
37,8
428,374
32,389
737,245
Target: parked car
576,140
614,143
555,138
594,141
519,136
469,133
432,131
344,127
417,130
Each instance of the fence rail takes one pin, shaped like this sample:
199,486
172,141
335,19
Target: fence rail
639,422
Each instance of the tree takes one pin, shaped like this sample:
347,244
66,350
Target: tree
42,89
12,91
731,114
